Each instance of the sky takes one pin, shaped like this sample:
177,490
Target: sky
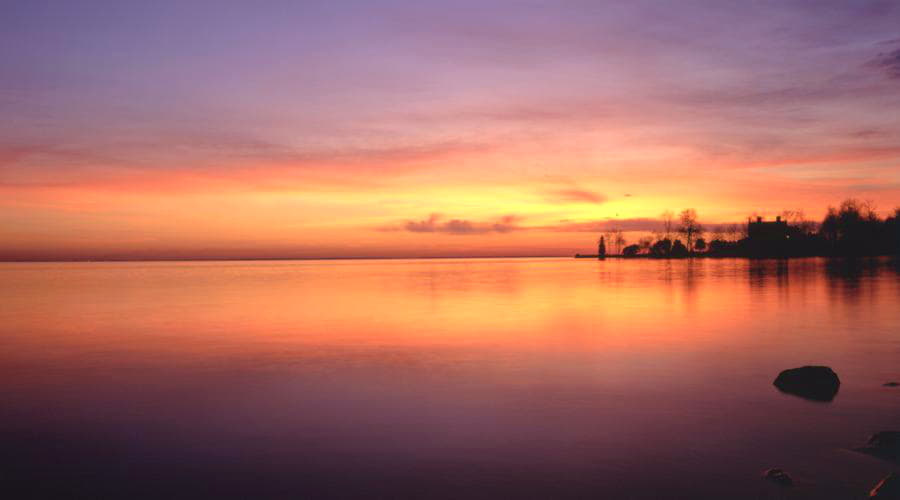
411,128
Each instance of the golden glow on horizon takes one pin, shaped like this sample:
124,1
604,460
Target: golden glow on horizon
222,214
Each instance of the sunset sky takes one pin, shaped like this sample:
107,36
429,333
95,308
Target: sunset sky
214,129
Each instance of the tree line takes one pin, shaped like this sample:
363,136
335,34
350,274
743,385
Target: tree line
853,228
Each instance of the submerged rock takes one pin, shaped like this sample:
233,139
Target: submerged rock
884,444
778,477
818,383
888,487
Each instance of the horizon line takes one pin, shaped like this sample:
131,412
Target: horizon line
238,259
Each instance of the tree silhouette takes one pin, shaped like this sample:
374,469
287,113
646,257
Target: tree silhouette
667,218
661,248
853,229
620,241
690,228
615,239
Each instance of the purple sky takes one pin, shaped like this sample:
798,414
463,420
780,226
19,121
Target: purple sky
382,112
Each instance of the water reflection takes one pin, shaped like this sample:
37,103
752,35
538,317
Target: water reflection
764,273
442,378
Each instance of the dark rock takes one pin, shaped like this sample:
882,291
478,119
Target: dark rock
818,383
892,384
778,477
884,444
888,487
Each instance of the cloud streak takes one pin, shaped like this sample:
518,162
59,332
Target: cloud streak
435,223
438,223
889,62
574,195
208,163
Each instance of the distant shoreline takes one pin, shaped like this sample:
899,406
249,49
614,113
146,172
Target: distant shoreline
717,256
313,259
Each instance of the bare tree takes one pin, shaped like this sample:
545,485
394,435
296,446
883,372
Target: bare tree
869,209
620,241
690,227
798,219
615,239
610,236
667,220
735,232
792,216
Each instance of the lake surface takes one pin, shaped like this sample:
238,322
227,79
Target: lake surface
481,378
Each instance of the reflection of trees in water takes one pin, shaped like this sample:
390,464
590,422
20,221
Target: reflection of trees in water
762,273
667,271
852,279
693,274
846,279
680,279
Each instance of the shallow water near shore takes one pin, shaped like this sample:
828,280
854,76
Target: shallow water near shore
445,378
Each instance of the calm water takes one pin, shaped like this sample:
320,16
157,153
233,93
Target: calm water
538,378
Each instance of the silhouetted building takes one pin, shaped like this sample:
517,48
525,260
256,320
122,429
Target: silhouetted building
768,238
760,230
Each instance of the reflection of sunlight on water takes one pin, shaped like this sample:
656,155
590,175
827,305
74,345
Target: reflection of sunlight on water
577,372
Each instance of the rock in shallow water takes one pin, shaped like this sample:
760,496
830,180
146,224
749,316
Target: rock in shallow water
888,487
778,477
884,444
818,383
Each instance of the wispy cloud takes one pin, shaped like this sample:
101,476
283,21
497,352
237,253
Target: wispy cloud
437,223
573,195
889,62
209,163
